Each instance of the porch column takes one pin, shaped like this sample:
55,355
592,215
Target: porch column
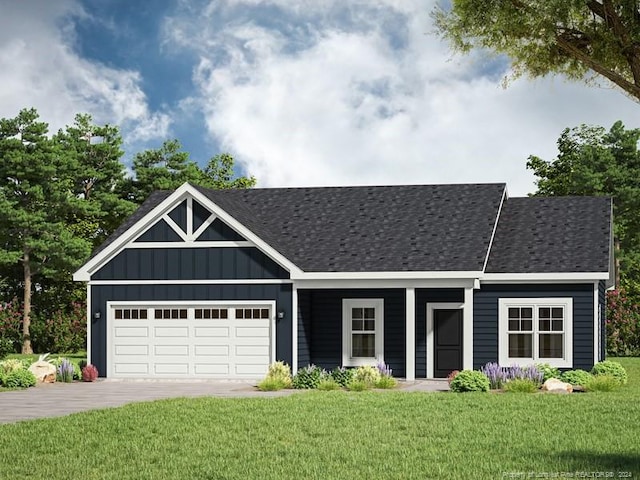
294,329
467,329
411,334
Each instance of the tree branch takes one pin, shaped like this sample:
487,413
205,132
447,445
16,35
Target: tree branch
628,47
572,50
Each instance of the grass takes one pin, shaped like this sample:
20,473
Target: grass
325,435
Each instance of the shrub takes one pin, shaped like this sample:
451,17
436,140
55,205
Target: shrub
6,347
521,385
11,323
623,324
308,377
576,377
61,331
328,383
280,371
77,371
494,374
65,371
498,375
602,383
270,384
367,374
384,370
386,382
358,386
12,364
451,376
470,381
613,369
342,375
548,371
19,379
89,373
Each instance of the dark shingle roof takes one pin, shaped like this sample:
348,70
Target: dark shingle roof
359,229
552,234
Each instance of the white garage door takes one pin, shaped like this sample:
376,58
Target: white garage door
190,340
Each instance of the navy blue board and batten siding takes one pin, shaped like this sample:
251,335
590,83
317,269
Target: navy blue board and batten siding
320,326
485,318
219,263
101,294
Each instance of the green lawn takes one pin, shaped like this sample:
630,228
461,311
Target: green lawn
338,435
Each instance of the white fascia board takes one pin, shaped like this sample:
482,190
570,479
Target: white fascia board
495,228
245,232
184,191
586,277
84,273
460,275
389,283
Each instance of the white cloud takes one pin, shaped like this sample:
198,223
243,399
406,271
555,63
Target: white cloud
38,68
318,93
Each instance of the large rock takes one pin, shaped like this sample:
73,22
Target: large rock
44,371
553,385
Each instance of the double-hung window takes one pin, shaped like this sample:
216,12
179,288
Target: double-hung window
536,330
362,331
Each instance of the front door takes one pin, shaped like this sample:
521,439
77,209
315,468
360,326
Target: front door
447,342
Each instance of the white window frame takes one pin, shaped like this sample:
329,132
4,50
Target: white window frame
347,305
535,303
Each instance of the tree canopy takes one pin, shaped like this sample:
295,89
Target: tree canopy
597,162
61,195
567,37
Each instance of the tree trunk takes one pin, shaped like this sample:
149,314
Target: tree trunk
26,313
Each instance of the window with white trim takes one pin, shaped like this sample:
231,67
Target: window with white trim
536,330
362,329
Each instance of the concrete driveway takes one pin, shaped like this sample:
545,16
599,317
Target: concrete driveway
58,399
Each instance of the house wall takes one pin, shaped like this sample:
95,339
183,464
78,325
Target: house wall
320,326
602,299
424,296
485,321
190,264
101,294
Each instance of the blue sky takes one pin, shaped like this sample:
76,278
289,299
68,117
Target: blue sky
301,92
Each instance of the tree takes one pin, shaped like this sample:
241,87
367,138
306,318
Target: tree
168,167
36,196
566,37
592,161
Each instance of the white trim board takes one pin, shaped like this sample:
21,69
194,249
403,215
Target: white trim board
495,228
190,244
253,281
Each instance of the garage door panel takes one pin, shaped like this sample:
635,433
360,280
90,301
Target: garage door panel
182,350
211,350
218,332
132,349
174,332
128,332
123,368
171,368
252,332
261,350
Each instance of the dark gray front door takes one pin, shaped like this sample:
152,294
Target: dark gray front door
447,342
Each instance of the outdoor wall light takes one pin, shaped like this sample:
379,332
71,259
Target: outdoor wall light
280,314
97,315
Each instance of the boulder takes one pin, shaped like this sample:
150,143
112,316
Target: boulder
43,371
553,385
